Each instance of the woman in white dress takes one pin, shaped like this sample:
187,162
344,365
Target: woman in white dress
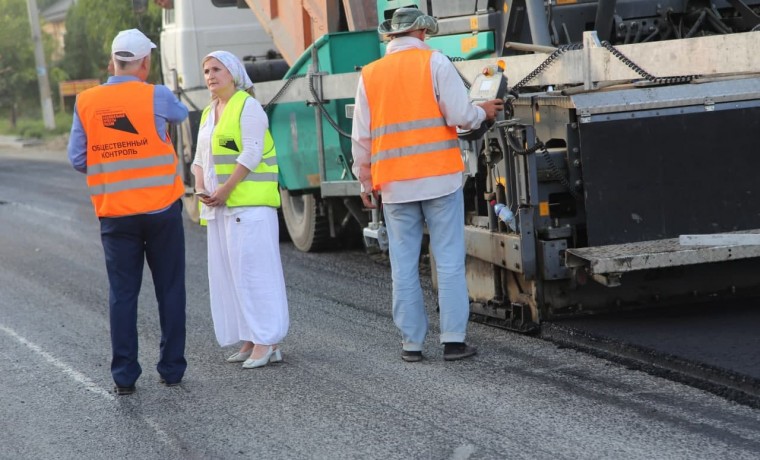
235,173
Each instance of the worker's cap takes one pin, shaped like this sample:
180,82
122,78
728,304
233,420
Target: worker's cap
406,20
131,45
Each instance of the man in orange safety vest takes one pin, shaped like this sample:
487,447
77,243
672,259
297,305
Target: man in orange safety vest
405,147
119,140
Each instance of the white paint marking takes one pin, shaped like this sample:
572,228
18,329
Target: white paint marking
162,436
86,382
463,452
77,376
58,215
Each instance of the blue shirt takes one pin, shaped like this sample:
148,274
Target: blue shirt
166,108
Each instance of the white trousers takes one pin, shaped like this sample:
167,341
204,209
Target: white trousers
246,284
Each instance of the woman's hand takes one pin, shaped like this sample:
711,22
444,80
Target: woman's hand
205,199
219,197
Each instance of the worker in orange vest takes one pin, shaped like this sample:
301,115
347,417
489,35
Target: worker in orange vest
405,147
119,139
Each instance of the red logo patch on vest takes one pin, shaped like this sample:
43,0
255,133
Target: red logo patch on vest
118,120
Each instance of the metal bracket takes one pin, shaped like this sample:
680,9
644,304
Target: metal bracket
375,235
608,279
315,78
590,41
316,81
513,316
747,16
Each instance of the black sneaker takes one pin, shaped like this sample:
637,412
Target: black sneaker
163,382
123,391
411,356
453,351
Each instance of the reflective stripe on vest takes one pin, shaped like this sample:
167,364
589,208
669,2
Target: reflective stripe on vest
410,138
260,186
130,169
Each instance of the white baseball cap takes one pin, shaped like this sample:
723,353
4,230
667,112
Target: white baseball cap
132,45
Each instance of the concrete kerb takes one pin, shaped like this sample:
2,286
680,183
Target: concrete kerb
18,142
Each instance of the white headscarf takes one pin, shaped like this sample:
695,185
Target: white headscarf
235,67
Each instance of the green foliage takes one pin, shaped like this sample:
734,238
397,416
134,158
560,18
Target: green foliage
18,77
19,91
33,126
78,61
63,122
30,129
91,26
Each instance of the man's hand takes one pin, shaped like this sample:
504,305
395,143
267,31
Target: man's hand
367,201
492,107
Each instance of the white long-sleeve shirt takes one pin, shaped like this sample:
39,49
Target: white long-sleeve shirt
253,126
456,108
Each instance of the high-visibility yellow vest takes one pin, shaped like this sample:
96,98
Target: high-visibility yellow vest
410,137
260,186
130,169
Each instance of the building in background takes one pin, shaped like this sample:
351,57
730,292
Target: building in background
54,24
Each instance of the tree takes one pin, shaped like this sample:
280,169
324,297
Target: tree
91,26
78,61
18,77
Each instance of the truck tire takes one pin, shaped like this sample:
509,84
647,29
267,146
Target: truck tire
308,229
282,227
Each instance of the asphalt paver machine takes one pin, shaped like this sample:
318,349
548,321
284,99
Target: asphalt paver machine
630,128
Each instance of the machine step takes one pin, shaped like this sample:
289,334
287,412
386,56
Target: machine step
607,263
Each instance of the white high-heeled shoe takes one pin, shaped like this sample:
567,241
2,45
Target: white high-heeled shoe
240,356
273,355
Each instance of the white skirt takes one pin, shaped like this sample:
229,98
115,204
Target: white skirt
246,284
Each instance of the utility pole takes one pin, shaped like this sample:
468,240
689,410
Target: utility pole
39,60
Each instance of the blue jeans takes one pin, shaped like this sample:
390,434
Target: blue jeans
128,242
445,221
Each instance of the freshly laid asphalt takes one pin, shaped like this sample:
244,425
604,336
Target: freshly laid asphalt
342,391
724,336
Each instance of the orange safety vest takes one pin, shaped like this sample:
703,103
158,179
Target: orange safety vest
130,169
410,138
